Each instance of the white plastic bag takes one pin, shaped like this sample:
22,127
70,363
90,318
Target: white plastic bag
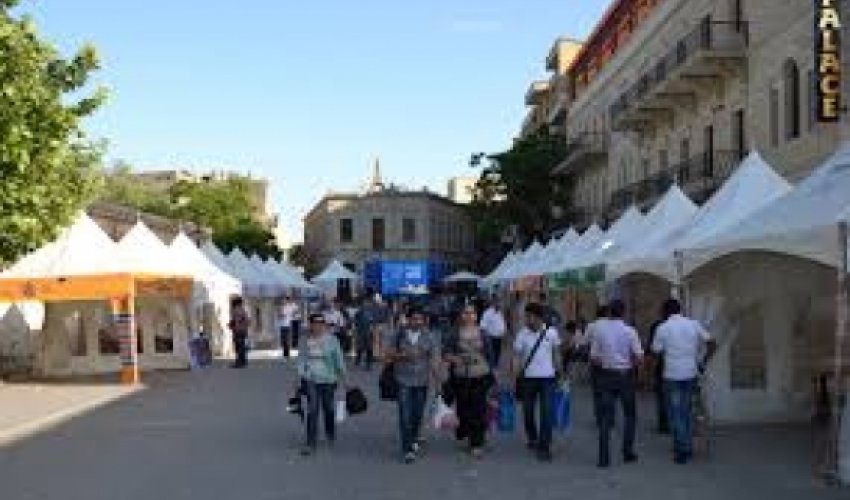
445,417
340,413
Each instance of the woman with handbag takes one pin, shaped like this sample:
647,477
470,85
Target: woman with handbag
536,368
321,367
468,356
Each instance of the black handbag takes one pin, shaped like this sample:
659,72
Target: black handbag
355,401
521,380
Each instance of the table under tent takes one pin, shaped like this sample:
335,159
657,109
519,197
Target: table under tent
106,309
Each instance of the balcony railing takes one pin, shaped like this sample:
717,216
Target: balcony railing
699,177
712,39
584,146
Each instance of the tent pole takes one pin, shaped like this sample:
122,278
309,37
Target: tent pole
840,334
124,321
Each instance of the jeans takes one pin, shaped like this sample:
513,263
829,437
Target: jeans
241,347
471,397
496,349
595,372
538,393
662,405
614,385
411,411
679,407
319,397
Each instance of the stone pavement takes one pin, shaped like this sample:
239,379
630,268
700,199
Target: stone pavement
223,433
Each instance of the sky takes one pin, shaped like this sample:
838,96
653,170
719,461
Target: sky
309,93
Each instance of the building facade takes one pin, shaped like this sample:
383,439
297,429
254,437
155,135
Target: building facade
388,223
460,189
679,91
547,100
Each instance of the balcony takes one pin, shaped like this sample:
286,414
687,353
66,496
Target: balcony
711,51
699,177
583,148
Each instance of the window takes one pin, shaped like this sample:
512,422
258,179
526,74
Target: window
684,157
708,142
774,117
644,168
378,235
739,139
408,230
663,160
346,230
792,100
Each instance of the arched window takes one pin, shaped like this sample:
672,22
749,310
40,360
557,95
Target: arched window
791,76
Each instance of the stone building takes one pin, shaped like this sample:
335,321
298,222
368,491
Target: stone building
547,100
387,223
670,91
460,189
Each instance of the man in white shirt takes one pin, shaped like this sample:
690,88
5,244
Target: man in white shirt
335,320
616,351
494,327
681,341
289,323
535,367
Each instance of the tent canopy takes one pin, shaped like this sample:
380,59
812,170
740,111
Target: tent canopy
335,272
752,186
802,223
189,257
463,277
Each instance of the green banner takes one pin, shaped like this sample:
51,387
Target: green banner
586,277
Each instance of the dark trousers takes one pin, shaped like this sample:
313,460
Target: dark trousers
496,350
365,351
538,394
289,337
411,411
680,396
240,345
471,398
661,407
320,397
616,385
597,393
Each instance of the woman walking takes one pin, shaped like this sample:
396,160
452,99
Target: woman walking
321,367
469,355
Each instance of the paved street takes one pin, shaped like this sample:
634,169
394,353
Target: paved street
223,434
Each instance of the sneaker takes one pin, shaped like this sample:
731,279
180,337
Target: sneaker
409,457
630,458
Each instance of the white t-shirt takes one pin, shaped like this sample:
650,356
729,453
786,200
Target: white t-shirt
493,323
542,365
334,318
614,344
289,312
681,340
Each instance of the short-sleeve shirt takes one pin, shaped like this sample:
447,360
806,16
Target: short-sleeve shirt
542,365
425,348
614,344
680,339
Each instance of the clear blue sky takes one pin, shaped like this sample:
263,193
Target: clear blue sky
307,93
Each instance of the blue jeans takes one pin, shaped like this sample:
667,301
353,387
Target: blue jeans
411,411
320,397
679,395
538,394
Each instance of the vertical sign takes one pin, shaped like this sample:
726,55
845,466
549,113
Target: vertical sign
124,324
828,59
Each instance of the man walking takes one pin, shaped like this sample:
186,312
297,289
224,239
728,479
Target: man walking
239,325
364,328
535,368
289,317
494,327
415,352
681,341
616,351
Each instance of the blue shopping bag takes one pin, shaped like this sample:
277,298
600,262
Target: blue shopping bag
561,401
507,412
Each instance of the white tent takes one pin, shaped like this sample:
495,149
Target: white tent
592,236
802,223
288,276
214,305
333,273
622,233
495,275
218,258
554,250
753,186
254,283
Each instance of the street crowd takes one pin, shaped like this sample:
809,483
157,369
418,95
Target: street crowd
448,355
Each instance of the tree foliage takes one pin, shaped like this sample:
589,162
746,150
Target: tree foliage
516,189
224,206
48,167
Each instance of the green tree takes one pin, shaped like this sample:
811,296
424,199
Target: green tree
48,168
518,190
121,187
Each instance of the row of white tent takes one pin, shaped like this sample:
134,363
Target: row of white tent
755,209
